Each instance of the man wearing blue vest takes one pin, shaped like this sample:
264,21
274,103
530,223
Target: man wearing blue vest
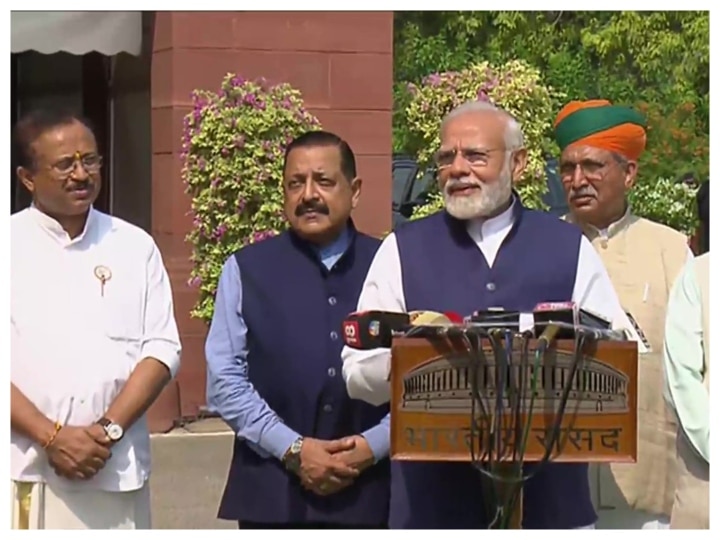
305,455
484,250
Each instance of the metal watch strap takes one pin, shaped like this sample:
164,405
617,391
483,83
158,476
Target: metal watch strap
291,459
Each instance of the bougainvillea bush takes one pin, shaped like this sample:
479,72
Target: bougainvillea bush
514,86
666,201
233,145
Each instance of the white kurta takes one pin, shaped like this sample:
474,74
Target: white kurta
75,343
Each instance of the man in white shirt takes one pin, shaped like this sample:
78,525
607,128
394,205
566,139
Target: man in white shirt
485,250
93,340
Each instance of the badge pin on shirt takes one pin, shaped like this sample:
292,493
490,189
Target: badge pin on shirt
103,274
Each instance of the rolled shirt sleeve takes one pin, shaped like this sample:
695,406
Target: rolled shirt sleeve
160,334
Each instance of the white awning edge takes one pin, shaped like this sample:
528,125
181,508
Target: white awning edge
76,32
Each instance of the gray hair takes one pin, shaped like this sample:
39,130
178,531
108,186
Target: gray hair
514,138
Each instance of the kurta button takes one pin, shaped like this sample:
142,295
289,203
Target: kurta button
604,243
331,372
333,335
332,301
327,408
490,286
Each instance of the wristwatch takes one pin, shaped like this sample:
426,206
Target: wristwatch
114,431
291,459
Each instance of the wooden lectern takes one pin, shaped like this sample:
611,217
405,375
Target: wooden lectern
432,401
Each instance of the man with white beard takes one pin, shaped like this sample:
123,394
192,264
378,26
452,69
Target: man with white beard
484,250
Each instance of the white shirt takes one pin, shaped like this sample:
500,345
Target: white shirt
366,372
74,343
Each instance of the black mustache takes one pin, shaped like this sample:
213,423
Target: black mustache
79,186
318,208
582,193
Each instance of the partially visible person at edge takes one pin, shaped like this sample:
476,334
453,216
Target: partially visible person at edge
600,145
306,455
93,340
484,250
702,199
687,391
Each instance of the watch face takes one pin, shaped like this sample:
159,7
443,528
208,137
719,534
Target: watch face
114,431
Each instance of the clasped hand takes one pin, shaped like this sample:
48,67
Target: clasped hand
78,453
327,467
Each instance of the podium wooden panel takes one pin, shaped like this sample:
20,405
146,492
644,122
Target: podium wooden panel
431,402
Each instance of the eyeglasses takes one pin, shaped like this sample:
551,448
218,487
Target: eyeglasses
475,157
591,169
66,166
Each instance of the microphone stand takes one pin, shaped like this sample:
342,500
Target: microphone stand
500,436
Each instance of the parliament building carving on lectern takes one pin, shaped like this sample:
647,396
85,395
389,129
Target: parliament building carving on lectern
442,384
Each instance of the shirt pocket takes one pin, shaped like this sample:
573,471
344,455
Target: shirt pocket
121,314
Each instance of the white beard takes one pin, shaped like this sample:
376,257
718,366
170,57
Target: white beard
483,202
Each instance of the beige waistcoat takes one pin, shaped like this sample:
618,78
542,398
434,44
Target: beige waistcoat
691,508
643,259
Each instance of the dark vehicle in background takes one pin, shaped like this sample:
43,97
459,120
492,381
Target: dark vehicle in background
411,189
408,190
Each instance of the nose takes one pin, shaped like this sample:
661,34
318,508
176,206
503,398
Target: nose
309,192
79,173
459,166
578,178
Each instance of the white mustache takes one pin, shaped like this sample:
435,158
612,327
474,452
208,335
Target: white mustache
466,181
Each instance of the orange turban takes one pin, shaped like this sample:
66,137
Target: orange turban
601,124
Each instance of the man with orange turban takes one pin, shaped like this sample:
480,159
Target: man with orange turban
600,144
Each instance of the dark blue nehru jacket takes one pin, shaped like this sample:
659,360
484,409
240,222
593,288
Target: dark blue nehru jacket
294,308
443,270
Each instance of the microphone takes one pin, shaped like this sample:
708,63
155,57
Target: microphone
563,320
568,316
373,329
367,330
433,318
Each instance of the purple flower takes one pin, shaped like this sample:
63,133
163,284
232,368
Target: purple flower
433,79
225,152
195,281
482,96
215,182
241,204
219,232
261,235
250,99
237,80
201,164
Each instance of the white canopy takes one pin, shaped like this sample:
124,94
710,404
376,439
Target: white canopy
76,32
